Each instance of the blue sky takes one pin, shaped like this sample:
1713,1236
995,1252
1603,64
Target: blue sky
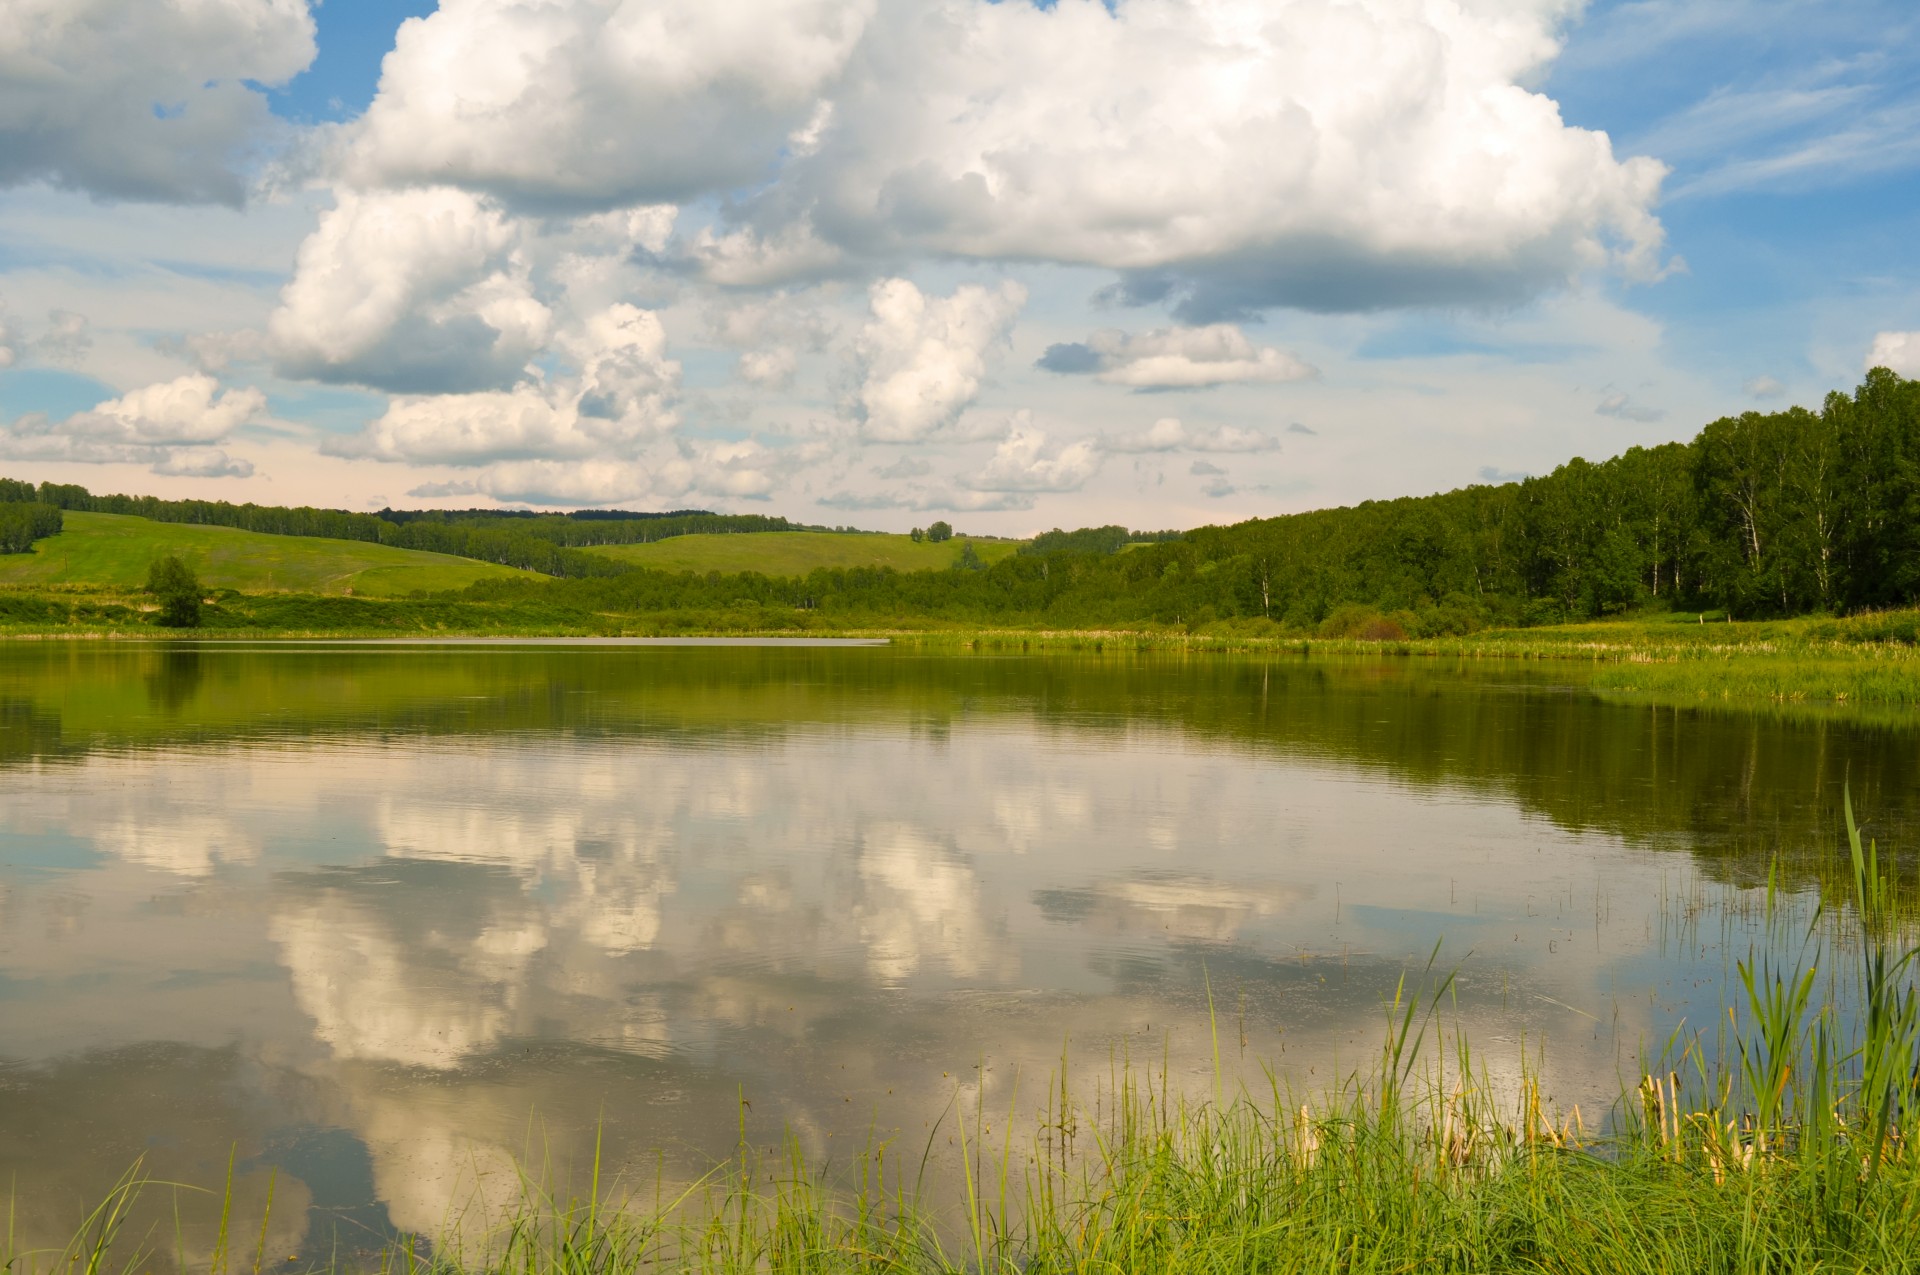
809,256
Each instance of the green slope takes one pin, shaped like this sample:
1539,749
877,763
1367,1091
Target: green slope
794,553
115,550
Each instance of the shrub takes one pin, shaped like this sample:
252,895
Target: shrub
23,523
178,590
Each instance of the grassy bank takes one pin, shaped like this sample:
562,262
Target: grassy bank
1683,660
1787,1140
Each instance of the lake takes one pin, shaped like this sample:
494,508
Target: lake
375,925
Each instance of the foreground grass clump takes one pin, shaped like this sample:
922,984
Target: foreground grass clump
1786,1141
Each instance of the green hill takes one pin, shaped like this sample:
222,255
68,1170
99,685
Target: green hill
795,553
115,550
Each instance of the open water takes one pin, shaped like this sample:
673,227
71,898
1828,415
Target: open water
380,925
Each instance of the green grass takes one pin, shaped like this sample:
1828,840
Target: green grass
113,551
795,553
1786,1141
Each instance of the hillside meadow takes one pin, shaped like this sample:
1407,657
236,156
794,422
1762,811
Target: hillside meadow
114,551
795,553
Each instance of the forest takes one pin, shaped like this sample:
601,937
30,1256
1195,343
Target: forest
1761,515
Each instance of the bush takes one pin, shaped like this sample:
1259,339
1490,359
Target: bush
23,523
1354,620
178,590
940,531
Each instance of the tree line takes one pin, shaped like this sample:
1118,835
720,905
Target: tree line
1761,514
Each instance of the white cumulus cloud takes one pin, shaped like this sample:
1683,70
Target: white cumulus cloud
1897,352
771,332
1176,358
1170,434
1027,461
600,102
744,470
191,409
1621,406
1226,154
621,399
148,99
922,358
168,426
413,291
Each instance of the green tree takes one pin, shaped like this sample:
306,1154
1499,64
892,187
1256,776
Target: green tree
940,531
969,559
918,535
178,590
23,523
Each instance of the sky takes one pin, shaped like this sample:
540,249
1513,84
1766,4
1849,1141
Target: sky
1015,265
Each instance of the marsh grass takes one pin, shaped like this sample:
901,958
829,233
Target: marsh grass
1785,1137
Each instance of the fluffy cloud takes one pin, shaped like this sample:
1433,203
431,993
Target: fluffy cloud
1027,461
150,100
1897,352
621,399
771,333
186,411
598,103
1228,156
921,358
1175,358
1170,434
1622,407
8,340
746,470
169,426
416,291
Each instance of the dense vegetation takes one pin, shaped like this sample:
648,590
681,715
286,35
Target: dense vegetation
1109,539
1761,515
22,523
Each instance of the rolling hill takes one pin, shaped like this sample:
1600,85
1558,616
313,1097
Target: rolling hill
116,549
795,553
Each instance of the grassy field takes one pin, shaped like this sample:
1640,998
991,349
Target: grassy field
795,553
113,551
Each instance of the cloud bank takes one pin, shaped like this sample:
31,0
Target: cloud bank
153,100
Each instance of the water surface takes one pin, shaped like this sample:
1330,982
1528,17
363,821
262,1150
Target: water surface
378,922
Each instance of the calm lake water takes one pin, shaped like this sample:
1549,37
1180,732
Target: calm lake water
380,922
